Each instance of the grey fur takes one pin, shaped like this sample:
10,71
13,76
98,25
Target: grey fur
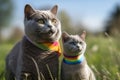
27,61
74,45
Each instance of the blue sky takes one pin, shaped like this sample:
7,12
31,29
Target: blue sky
91,13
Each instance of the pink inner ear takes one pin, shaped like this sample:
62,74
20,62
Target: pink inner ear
83,35
54,9
64,38
28,10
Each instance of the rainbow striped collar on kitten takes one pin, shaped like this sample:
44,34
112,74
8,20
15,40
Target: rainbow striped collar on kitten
72,60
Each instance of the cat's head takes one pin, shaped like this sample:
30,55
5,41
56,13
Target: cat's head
42,25
74,45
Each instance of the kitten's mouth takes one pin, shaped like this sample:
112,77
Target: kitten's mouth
76,50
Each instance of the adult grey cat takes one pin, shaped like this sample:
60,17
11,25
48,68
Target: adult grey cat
32,58
74,65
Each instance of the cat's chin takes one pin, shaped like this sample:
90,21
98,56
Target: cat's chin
52,39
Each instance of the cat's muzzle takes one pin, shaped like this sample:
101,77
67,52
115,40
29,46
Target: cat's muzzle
48,32
51,32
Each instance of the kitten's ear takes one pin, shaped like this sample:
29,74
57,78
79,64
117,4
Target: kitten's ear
65,36
83,35
54,9
28,11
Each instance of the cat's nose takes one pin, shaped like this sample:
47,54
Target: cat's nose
49,26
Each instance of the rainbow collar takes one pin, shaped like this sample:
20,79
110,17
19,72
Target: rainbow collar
73,59
49,46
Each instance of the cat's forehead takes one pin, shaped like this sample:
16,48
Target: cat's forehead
43,14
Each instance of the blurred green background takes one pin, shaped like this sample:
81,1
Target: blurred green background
101,20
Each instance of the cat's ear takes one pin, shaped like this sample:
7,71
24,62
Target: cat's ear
28,11
83,35
65,36
54,9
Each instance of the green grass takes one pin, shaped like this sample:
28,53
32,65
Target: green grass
4,49
103,56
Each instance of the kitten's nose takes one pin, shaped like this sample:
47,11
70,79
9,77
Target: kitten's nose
79,47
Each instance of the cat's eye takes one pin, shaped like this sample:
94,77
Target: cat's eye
54,21
40,21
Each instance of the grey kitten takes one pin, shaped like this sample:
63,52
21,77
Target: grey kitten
27,60
74,65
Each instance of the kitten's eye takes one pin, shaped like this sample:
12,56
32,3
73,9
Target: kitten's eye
54,21
40,21
72,42
80,42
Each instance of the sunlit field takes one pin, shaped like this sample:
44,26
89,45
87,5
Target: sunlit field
103,56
